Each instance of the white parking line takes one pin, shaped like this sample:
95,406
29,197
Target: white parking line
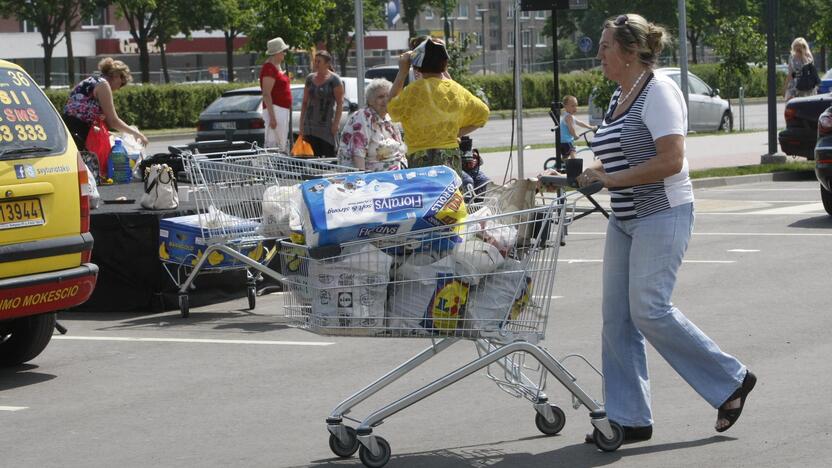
13,408
743,234
192,340
743,250
598,260
797,209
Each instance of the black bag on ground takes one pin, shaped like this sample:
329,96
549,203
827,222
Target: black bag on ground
807,77
174,161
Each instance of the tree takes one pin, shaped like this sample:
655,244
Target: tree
78,10
49,17
232,17
738,43
141,16
336,30
411,9
822,30
295,21
700,19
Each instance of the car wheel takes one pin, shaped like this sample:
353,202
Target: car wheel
726,124
826,197
24,338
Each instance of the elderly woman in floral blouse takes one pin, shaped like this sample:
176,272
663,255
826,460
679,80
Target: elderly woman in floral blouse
369,140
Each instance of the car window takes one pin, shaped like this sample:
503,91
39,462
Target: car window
235,103
27,118
697,86
677,79
828,75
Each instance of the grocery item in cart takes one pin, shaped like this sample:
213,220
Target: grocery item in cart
499,297
352,290
476,257
427,294
182,239
278,204
367,205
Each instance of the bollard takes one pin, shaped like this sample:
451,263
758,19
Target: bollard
742,109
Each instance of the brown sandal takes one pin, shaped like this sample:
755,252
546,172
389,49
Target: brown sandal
733,414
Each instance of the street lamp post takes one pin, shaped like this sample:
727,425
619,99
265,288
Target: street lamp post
482,12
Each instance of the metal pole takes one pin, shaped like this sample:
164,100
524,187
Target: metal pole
359,50
772,156
556,90
683,53
482,17
447,24
518,94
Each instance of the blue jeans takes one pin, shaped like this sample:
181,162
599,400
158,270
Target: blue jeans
641,259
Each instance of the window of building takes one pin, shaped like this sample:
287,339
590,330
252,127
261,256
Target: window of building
95,20
525,15
27,26
539,39
463,11
479,11
510,11
527,38
540,14
510,42
478,39
429,13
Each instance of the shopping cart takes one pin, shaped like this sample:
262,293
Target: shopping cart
488,280
229,190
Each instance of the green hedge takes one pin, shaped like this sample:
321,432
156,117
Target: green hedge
537,87
159,106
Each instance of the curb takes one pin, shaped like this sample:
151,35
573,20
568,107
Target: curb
790,176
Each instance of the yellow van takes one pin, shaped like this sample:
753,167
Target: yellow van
45,243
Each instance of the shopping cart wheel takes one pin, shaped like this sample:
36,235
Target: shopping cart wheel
554,427
375,461
252,297
344,450
609,445
184,307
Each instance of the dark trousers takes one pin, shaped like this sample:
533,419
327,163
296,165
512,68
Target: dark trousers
78,129
321,147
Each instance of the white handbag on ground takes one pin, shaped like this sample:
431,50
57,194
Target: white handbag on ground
160,190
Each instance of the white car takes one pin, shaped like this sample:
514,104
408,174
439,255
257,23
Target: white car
707,112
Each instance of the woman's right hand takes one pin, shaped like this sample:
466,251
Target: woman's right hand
404,60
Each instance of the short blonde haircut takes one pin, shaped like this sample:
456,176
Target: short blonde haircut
568,98
801,47
634,34
113,68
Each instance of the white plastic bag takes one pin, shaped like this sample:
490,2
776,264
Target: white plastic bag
277,210
160,191
475,257
499,297
92,187
351,292
427,295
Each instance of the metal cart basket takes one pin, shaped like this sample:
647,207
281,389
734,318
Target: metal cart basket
488,279
231,191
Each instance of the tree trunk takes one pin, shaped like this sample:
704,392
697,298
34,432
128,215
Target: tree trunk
70,56
144,59
229,55
164,58
47,63
694,40
822,60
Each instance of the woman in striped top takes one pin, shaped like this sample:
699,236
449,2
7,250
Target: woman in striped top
641,150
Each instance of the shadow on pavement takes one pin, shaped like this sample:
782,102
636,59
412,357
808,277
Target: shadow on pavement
574,456
816,222
20,376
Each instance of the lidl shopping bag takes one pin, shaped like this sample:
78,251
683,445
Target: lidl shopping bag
427,294
366,205
500,297
351,292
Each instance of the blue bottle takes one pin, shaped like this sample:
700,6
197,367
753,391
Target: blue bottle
118,165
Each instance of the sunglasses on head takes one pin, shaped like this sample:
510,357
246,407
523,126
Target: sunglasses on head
624,20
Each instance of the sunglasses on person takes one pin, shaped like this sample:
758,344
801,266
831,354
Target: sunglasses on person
624,20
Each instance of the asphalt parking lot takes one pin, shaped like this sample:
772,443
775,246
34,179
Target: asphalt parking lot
232,387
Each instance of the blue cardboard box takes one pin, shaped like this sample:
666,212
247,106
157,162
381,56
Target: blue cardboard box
181,241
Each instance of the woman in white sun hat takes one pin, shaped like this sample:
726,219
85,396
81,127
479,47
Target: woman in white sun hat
277,96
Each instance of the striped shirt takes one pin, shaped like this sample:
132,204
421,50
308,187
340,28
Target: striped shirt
629,140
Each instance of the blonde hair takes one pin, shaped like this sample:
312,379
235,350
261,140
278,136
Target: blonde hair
637,35
801,47
568,98
109,67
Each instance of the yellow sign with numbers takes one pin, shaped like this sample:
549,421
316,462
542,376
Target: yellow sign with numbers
26,117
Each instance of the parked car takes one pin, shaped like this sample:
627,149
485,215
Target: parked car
826,83
45,243
801,114
823,158
388,72
236,114
707,112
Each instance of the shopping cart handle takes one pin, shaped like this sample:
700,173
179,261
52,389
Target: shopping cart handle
562,181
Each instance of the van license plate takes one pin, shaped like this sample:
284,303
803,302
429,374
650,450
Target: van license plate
225,125
21,213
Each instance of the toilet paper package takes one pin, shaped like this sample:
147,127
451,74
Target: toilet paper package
367,205
350,292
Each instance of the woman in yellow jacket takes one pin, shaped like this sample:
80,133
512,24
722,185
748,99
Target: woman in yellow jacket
434,110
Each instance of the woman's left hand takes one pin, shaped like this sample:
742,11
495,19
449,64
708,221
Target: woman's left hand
590,176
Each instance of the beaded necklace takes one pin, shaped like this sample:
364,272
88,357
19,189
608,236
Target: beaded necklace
633,88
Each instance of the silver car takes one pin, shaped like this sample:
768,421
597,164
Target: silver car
707,112
236,114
